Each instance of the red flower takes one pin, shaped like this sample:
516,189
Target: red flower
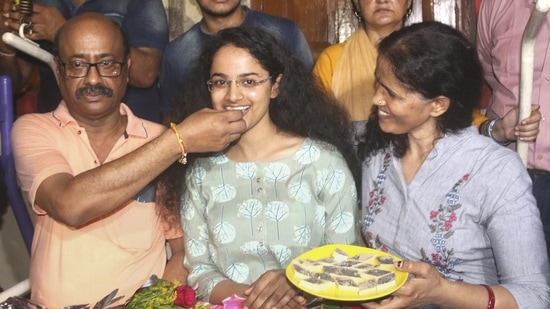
186,296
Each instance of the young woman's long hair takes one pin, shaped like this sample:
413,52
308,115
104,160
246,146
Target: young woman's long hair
432,59
301,108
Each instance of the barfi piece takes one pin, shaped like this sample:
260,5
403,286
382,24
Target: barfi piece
317,285
301,272
355,285
339,255
365,257
342,271
310,265
363,266
349,263
386,262
384,278
366,286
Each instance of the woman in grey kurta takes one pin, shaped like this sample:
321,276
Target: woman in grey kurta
454,204
284,187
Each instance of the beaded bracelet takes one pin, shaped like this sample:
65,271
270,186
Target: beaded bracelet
183,159
491,303
490,132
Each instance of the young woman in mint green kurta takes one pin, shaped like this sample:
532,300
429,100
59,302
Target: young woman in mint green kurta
284,187
244,218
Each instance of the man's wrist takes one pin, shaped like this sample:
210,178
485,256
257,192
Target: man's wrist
5,54
490,131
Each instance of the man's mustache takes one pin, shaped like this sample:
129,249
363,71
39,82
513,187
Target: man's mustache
93,90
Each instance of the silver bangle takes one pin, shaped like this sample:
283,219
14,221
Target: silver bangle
490,132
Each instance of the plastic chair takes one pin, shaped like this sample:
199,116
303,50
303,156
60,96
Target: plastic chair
15,199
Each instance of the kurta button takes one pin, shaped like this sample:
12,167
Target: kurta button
547,78
79,132
396,244
260,228
95,161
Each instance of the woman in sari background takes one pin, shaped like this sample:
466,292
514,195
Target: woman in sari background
347,69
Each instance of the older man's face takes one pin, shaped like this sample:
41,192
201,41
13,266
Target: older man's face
92,96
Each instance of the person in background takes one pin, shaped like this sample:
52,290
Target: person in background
500,31
146,26
182,53
284,187
453,204
347,69
88,169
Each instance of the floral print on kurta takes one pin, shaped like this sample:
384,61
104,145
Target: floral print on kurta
468,211
244,218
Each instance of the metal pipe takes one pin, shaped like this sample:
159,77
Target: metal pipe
538,15
29,47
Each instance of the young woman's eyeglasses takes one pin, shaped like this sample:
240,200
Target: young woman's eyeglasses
105,68
223,84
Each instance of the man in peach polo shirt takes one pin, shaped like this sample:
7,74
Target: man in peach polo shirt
88,169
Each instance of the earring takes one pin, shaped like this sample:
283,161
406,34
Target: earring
408,13
359,17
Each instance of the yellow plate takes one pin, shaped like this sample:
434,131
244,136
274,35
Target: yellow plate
337,294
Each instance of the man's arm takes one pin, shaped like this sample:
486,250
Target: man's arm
145,66
174,268
146,27
81,199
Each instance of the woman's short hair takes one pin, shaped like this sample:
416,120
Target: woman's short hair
435,59
432,59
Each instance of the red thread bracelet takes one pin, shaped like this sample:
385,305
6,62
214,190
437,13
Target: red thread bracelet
491,303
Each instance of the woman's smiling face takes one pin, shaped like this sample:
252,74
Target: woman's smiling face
238,81
399,109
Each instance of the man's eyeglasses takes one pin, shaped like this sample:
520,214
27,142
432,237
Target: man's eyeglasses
223,84
105,68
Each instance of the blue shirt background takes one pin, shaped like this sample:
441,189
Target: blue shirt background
145,24
181,54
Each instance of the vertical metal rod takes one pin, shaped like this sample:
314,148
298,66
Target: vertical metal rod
538,15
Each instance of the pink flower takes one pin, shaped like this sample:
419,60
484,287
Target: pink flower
186,296
232,302
453,217
433,214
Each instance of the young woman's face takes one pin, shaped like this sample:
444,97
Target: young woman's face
238,81
400,110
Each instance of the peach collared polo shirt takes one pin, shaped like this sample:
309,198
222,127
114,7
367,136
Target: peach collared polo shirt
80,266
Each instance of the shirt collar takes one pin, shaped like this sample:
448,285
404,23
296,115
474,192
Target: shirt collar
135,126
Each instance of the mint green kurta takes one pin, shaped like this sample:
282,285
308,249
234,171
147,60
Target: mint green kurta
244,218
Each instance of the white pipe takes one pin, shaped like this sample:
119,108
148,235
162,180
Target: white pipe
29,47
19,289
536,19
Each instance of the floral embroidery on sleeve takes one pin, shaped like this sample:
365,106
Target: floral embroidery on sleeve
375,202
442,258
